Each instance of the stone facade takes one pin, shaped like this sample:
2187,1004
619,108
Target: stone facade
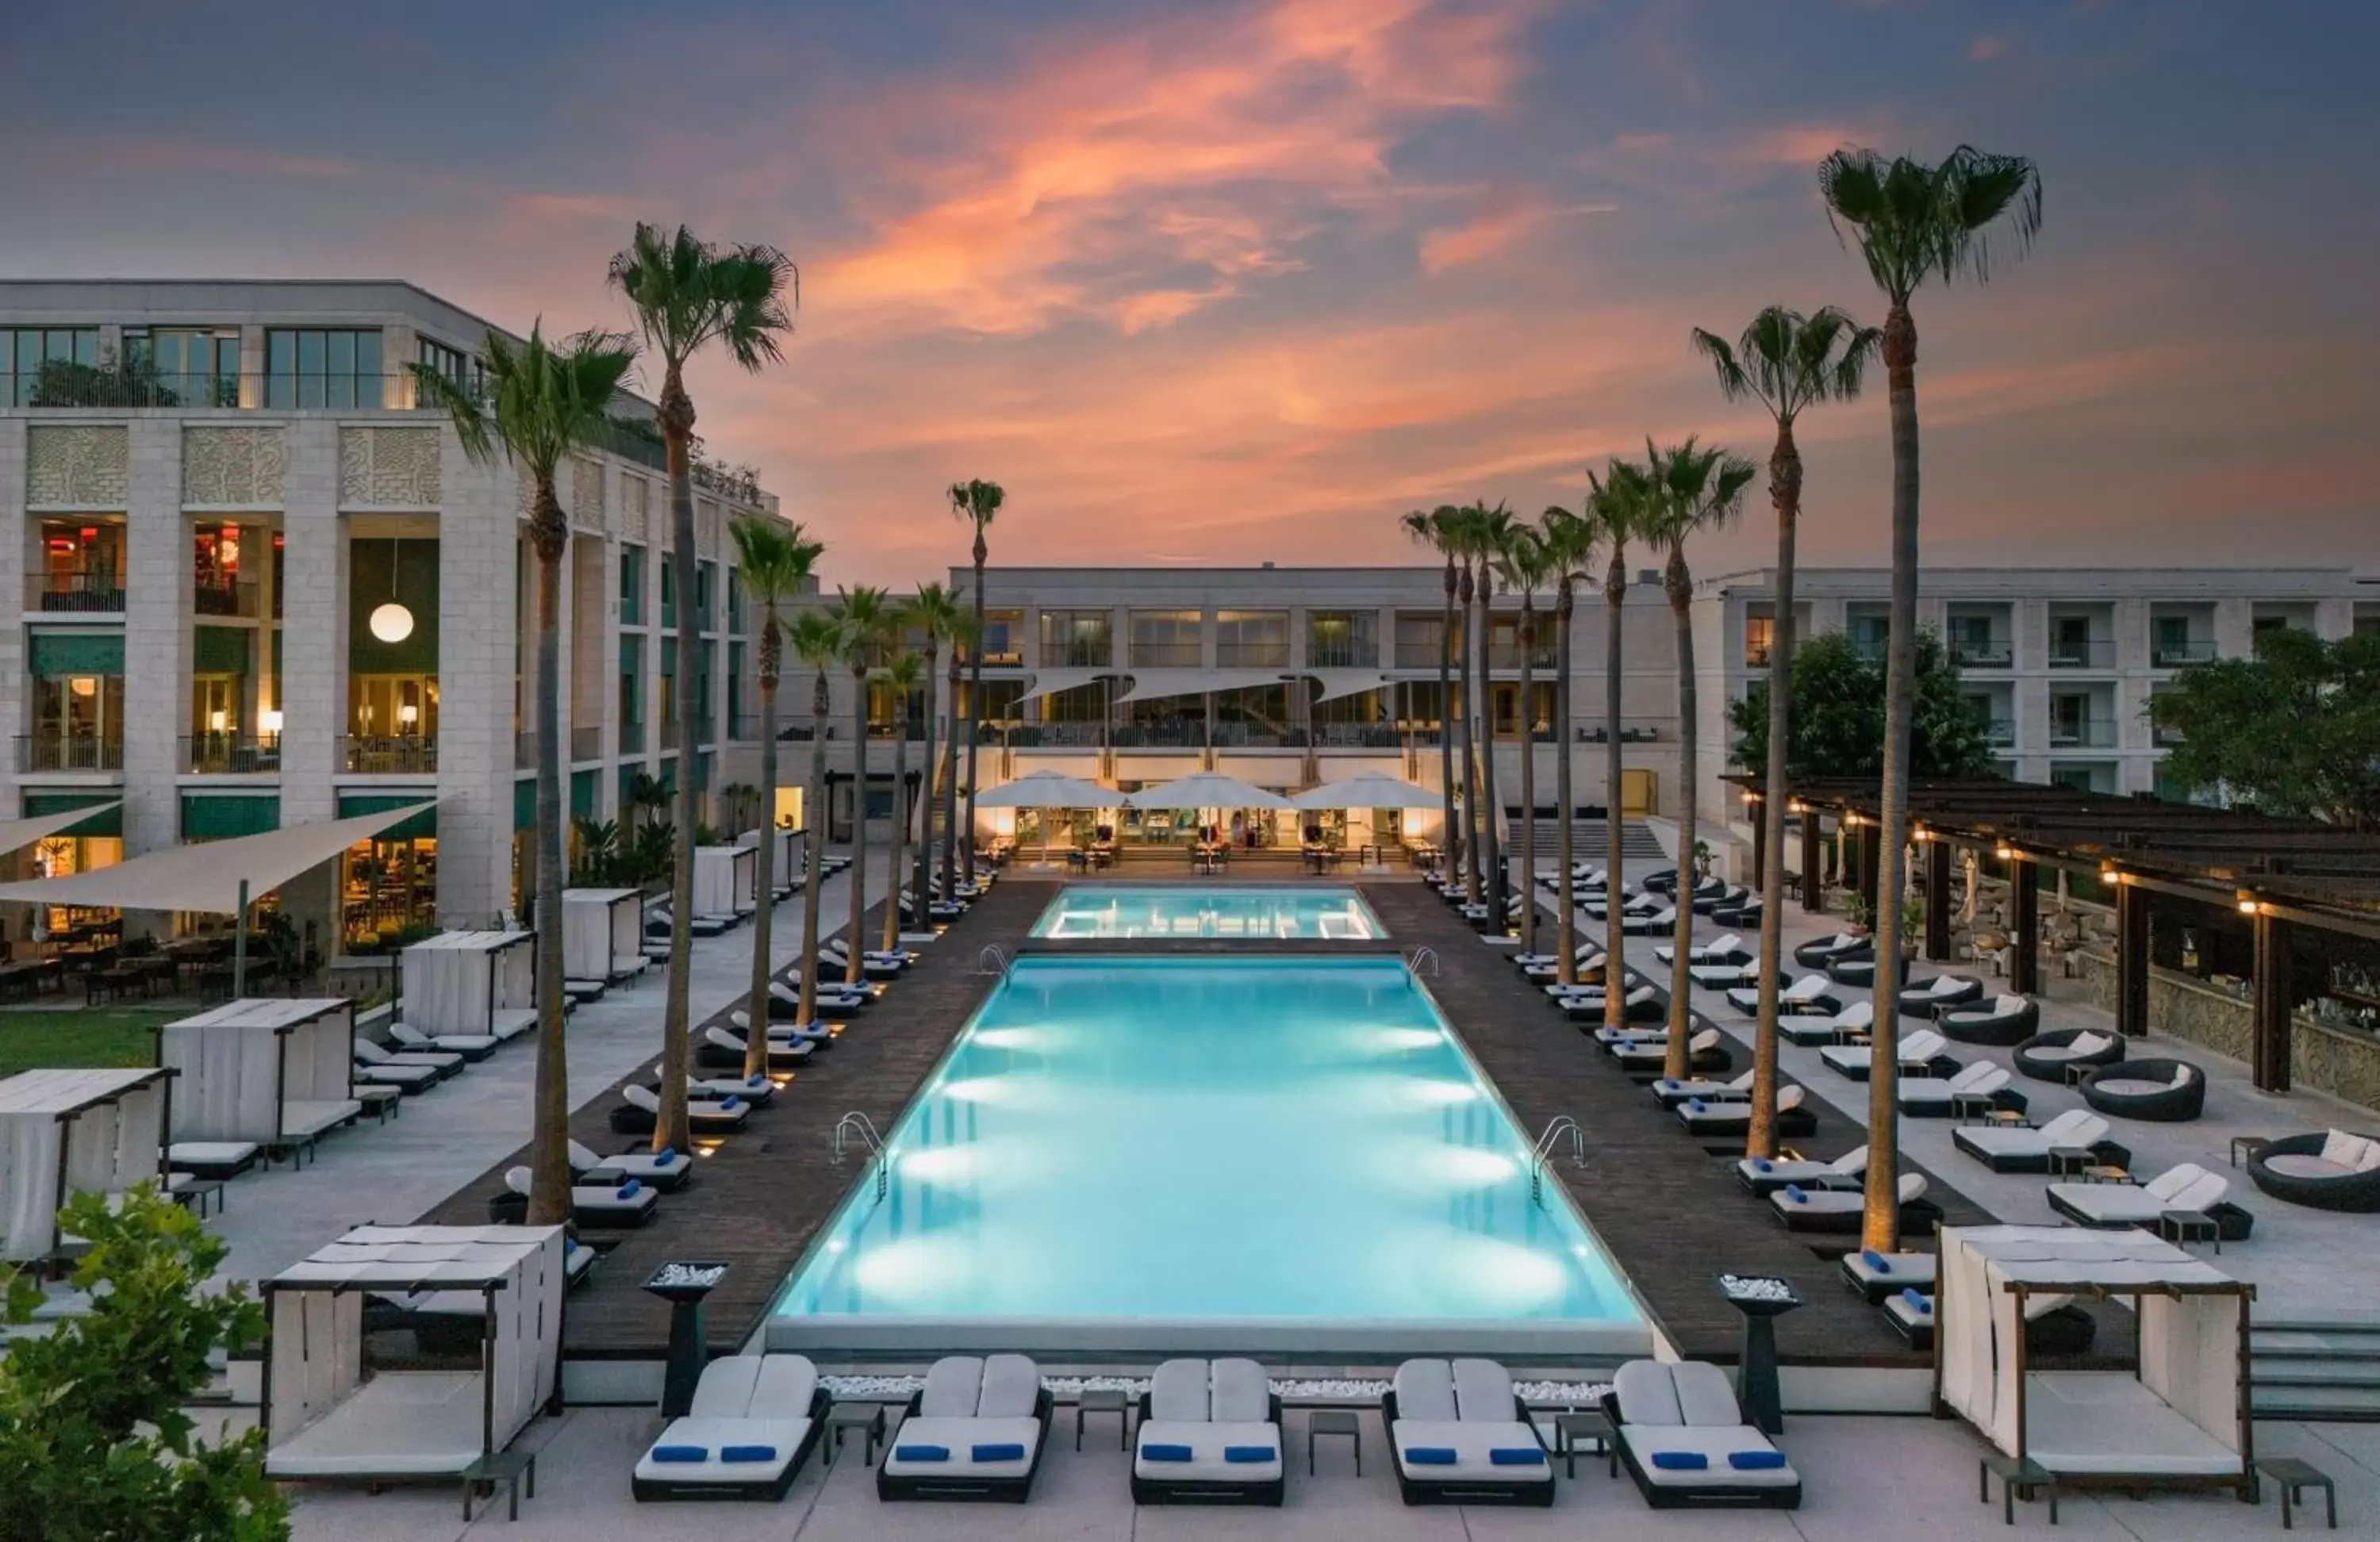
391,468
78,465
237,468
2322,1059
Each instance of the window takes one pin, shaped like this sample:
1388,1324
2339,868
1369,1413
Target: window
1251,640
220,583
706,582
1002,638
78,722
1504,642
632,694
734,690
1759,636
1343,639
632,586
669,590
183,365
453,363
1871,634
736,601
1971,641
1420,636
81,566
706,723
50,366
1080,639
668,702
1162,638
332,368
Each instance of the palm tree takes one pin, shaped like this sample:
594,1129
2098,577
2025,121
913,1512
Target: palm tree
1568,541
1490,528
864,617
1700,489
687,295
535,404
1617,502
933,610
774,561
1785,361
1521,563
1459,531
977,502
818,643
1431,530
900,677
964,634
1913,221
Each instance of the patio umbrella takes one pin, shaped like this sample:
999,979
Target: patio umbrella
1371,790
1047,789
1206,790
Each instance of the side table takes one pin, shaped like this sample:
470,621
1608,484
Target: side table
2184,1227
2019,1478
844,1417
1335,1421
505,1470
1105,1399
2070,1161
2248,1146
2293,1478
1575,1429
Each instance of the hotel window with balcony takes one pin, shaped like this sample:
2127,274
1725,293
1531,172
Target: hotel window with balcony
2082,637
223,560
183,366
1759,636
51,367
890,713
234,725
632,586
83,847
669,590
79,569
2160,735
736,728
667,704
321,368
1994,709
1507,698
1977,637
1420,634
632,695
1254,715
1504,642
1077,639
1165,639
77,708
1003,639
2180,636
1251,640
2079,719
1343,639
1871,631
393,627
706,590
1003,704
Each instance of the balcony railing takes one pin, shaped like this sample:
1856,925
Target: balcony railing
1343,655
1165,655
2163,737
232,754
1370,735
2180,655
215,595
2090,733
1251,655
587,743
1999,732
1160,736
1871,645
71,752
1507,657
1995,654
1069,735
1594,734
1243,735
2082,653
78,592
406,755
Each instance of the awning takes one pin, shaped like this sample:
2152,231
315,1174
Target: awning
15,833
1206,790
1153,685
1049,682
1045,789
1333,683
208,877
1370,790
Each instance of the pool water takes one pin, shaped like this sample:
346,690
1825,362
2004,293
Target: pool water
1265,913
1126,1145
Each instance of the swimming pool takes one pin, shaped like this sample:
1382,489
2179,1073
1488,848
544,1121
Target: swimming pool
1260,912
1282,1155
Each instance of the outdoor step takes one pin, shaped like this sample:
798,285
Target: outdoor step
2329,1372
2312,1342
2315,1402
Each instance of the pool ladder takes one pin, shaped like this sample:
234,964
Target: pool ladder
993,960
1413,960
1559,1129
857,1125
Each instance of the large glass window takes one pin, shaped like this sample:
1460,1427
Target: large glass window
1420,634
331,368
1252,640
632,694
1759,636
1343,639
453,363
669,590
223,562
632,586
1002,638
1078,639
1504,642
706,585
50,366
80,566
736,601
183,365
706,656
77,723
736,689
1165,639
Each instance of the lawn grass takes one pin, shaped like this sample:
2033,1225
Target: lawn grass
35,1039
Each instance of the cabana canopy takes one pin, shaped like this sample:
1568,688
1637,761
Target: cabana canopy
68,1132
217,877
324,1419
725,880
270,1070
471,982
15,833
2181,1420
1371,790
603,933
1206,790
1046,789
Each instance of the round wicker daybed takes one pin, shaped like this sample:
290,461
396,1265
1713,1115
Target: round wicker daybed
2305,1170
2045,1056
2002,1022
2162,1091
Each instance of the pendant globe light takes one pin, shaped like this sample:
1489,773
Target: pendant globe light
392,623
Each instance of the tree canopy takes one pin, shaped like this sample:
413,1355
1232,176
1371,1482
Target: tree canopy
1839,715
2294,731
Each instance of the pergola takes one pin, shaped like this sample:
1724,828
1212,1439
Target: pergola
2275,873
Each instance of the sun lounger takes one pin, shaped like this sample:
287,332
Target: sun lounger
665,1171
1650,925
214,1160
1459,1434
2007,1150
1917,1054
1807,997
1642,1004
406,1079
1209,1431
1669,1094
639,1108
1650,1056
875,970
608,1207
1765,1176
1857,1018
1685,1441
1705,1120
1821,951
2184,1187
443,1064
1936,1098
1835,1209
1721,977
2003,1021
723,1049
817,1036
1728,949
470,1046
973,1431
754,1420
1939,994
1878,1275
756,1090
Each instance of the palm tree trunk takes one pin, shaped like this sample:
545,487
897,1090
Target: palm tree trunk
671,1131
922,883
900,827
975,696
1566,923
1447,839
550,1151
1785,493
1491,802
855,938
814,820
764,884
1529,781
1471,873
1615,939
951,790
1880,1227
1682,1017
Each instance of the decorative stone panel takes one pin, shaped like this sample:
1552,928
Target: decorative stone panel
705,529
635,496
79,465
389,467
586,493
233,467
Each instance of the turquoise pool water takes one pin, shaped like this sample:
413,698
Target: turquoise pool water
1121,1148
1265,913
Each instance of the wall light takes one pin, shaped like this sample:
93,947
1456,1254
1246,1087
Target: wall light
2005,853
217,720
2248,905
392,623
269,720
409,714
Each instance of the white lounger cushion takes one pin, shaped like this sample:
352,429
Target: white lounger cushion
2083,1044
209,1153
2081,1127
1464,1406
1841,1201
1690,1408
1208,1408
1851,1164
312,1117
637,1164
2107,1422
459,1043
968,1402
401,1423
2186,1187
1979,1080
1902,1271
1425,1391
1178,1391
742,1399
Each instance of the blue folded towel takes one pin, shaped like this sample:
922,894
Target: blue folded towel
1516,1456
681,1453
1429,1456
570,1246
748,1454
999,1450
628,1188
1794,1192
1248,1453
1762,1164
922,1454
1875,1260
755,1081
1693,1105
1680,1460
730,1103
1918,1302
1755,1461
665,1156
1164,1451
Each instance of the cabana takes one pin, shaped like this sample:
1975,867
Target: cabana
780,861
603,934
726,880
70,1132
272,1071
2181,1420
324,1418
471,982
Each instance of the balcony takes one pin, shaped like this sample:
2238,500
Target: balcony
2181,654
232,754
2082,653
69,752
1167,655
1981,653
115,387
1080,654
1160,736
1240,735
1345,654
1507,655
406,755
215,594
1369,735
77,593
1999,732
587,743
1058,735
2082,734
1595,734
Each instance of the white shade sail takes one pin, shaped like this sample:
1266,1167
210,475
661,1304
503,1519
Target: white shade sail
207,876
1333,683
24,832
1049,682
1152,685
1206,790
1370,790
1048,790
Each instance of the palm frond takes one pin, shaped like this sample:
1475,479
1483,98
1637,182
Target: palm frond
688,293
1916,222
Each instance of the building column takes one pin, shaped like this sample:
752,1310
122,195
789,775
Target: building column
2131,960
312,689
1937,900
16,701
478,537
1813,891
156,636
2024,926
2271,1038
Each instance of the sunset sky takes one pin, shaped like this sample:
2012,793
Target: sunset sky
1235,282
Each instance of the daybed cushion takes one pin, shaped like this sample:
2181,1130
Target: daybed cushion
746,1400
1878,1275
401,1423
2107,1422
